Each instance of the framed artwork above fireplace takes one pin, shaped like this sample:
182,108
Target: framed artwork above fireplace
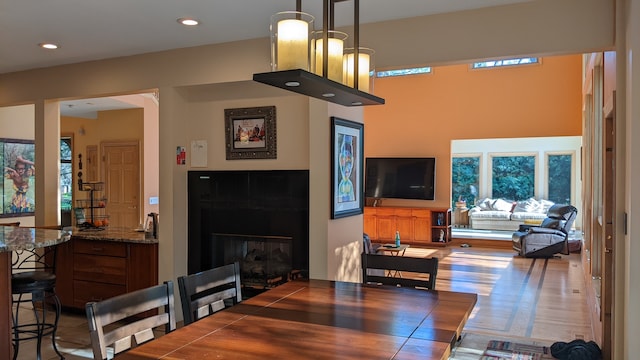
251,133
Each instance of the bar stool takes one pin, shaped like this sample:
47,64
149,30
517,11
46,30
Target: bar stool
33,280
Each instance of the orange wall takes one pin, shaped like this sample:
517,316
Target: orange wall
423,113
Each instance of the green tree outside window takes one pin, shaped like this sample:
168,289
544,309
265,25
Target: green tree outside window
513,177
465,177
559,178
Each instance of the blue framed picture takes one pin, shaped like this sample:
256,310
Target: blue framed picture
347,166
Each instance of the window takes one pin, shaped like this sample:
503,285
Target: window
513,177
504,62
66,174
559,179
401,72
465,179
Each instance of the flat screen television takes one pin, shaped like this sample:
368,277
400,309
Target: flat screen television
400,178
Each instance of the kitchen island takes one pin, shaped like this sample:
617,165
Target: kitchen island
101,263
13,238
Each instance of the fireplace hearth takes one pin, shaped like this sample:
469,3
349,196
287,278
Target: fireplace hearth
258,218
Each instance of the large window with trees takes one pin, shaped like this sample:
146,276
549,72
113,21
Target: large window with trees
559,177
543,168
513,177
465,179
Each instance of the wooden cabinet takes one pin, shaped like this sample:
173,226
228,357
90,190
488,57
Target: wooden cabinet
95,270
417,226
421,225
441,225
370,225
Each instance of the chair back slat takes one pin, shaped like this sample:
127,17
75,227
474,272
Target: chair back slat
427,269
133,311
201,294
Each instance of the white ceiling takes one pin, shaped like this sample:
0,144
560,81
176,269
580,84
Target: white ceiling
88,108
92,30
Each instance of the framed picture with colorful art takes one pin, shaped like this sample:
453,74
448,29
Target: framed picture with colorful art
18,180
251,133
347,166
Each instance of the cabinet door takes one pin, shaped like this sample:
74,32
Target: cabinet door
142,266
386,224
85,291
102,269
404,224
369,225
422,226
64,273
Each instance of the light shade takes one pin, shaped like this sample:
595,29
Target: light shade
290,35
334,54
366,68
298,58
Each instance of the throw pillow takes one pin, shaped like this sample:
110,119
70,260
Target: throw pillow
485,204
502,205
529,205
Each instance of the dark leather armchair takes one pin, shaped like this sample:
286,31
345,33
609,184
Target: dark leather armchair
548,239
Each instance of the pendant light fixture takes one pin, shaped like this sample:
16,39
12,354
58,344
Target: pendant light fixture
323,70
335,54
290,35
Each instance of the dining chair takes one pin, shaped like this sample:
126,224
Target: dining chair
426,270
33,284
370,247
115,321
209,291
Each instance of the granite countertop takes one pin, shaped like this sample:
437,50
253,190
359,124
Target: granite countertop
113,234
14,238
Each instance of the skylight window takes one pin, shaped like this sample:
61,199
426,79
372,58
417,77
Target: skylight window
402,72
504,62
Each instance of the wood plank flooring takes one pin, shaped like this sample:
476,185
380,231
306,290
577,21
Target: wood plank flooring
539,299
542,300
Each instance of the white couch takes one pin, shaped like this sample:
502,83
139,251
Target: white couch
500,214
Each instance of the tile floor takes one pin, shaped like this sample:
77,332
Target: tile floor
72,338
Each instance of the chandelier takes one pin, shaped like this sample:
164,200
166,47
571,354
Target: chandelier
315,62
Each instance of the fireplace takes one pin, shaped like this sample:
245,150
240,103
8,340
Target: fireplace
265,261
258,218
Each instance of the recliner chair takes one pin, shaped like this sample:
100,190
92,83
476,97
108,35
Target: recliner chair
549,238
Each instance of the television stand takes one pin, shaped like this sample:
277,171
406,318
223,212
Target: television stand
417,226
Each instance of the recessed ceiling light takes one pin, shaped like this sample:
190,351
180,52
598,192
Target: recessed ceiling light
188,21
49,46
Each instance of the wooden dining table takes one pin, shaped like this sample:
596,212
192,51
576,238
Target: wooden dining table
320,319
13,238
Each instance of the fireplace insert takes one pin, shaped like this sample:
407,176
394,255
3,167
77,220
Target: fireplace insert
259,218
